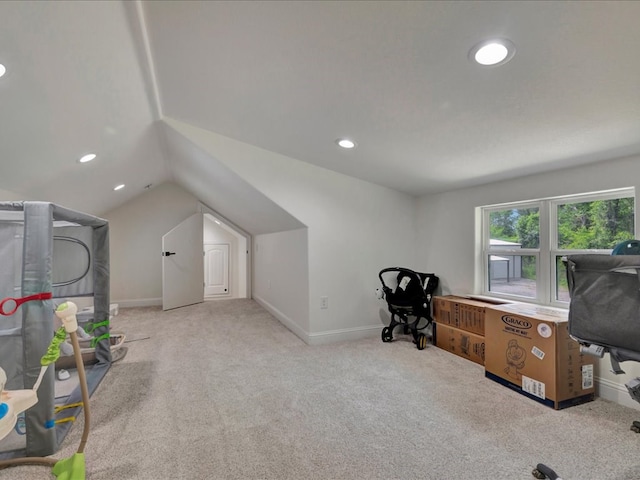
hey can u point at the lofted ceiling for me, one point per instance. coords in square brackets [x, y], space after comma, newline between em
[293, 76]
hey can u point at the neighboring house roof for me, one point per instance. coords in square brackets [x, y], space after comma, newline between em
[495, 241]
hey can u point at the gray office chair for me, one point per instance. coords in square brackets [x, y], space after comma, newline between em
[604, 313]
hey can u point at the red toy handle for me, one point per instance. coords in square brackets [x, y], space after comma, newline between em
[20, 301]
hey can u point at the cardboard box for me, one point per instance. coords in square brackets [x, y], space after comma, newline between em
[464, 344]
[460, 312]
[528, 349]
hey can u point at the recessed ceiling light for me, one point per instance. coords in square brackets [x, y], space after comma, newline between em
[3, 70]
[493, 52]
[87, 158]
[119, 187]
[346, 143]
[217, 221]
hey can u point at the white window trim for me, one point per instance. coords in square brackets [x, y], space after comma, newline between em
[547, 251]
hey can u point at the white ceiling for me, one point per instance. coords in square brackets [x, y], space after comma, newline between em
[291, 77]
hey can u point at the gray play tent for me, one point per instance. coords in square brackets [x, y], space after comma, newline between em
[46, 248]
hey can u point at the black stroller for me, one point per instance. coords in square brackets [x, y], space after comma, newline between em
[408, 294]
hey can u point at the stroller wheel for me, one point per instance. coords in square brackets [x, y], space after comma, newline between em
[387, 336]
[538, 474]
[543, 472]
[422, 341]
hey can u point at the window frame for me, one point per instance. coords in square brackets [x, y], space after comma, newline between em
[548, 249]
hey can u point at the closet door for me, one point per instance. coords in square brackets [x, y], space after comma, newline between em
[182, 267]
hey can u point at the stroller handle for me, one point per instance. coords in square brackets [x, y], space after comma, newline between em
[428, 281]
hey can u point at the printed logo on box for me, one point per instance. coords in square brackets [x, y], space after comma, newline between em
[518, 326]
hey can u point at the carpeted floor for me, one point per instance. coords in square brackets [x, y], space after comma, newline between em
[221, 390]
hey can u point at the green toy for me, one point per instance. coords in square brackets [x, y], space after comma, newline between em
[14, 402]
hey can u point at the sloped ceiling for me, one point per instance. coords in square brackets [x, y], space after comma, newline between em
[233, 198]
[74, 84]
[291, 77]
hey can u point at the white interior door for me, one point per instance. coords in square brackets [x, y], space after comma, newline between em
[216, 269]
[182, 268]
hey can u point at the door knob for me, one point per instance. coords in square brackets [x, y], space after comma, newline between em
[168, 254]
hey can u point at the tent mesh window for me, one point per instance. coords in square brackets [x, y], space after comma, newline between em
[48, 248]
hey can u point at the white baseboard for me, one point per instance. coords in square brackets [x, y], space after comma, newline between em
[344, 334]
[285, 320]
[615, 392]
[320, 338]
[139, 302]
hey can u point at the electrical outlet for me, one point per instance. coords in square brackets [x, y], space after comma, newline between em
[324, 302]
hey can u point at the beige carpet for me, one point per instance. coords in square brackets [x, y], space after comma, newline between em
[221, 390]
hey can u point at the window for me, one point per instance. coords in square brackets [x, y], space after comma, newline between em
[523, 243]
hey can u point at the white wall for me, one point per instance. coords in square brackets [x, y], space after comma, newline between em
[135, 238]
[9, 196]
[446, 226]
[281, 277]
[355, 229]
